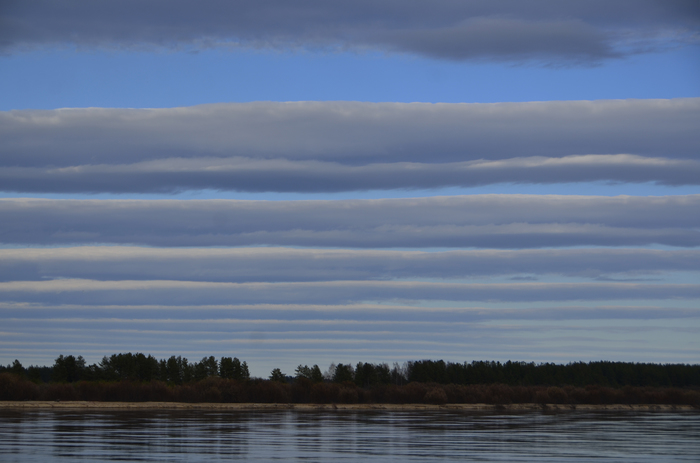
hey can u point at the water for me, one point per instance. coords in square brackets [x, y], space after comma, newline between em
[172, 436]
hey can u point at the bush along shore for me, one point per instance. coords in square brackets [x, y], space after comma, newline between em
[142, 378]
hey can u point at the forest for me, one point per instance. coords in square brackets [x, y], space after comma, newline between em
[140, 377]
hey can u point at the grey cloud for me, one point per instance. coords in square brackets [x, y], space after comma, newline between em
[173, 175]
[340, 146]
[338, 292]
[505, 39]
[543, 30]
[502, 221]
[228, 330]
[351, 133]
[347, 314]
[285, 264]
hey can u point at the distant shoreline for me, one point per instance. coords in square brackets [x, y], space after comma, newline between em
[86, 405]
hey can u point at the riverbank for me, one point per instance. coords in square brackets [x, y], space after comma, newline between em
[88, 405]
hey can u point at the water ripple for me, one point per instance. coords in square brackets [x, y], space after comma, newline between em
[174, 436]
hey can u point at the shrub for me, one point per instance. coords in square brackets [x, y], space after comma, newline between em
[348, 395]
[59, 392]
[13, 387]
[498, 394]
[435, 396]
[325, 393]
[557, 395]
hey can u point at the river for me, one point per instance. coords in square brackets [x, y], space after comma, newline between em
[323, 436]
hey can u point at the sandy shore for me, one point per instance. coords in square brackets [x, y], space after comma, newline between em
[82, 405]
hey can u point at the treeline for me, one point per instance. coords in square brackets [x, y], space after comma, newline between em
[179, 371]
[218, 390]
[611, 374]
[133, 367]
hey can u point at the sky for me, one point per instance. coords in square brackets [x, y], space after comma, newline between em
[307, 182]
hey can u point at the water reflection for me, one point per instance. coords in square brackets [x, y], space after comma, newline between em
[44, 435]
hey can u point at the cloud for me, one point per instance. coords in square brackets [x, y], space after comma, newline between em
[342, 146]
[274, 336]
[287, 264]
[318, 314]
[541, 30]
[23, 312]
[73, 291]
[497, 221]
[330, 302]
[243, 174]
[351, 133]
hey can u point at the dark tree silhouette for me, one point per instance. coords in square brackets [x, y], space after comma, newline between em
[68, 369]
[17, 368]
[278, 376]
[240, 370]
[343, 373]
[207, 367]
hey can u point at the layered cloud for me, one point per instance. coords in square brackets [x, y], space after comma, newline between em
[281, 175]
[345, 146]
[278, 283]
[346, 315]
[128, 292]
[274, 336]
[273, 343]
[287, 264]
[545, 30]
[498, 221]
